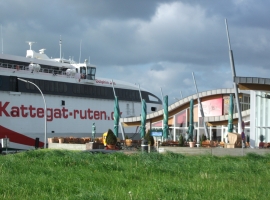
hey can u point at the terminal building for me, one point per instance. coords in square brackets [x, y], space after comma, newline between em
[254, 99]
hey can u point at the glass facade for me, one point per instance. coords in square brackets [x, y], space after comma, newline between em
[181, 119]
[212, 107]
[259, 120]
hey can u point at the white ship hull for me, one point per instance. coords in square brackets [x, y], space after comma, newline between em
[75, 99]
[23, 114]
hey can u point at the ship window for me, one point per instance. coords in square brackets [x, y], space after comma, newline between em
[132, 94]
[82, 89]
[98, 91]
[126, 94]
[27, 85]
[13, 83]
[129, 94]
[90, 89]
[86, 91]
[47, 86]
[137, 95]
[78, 89]
[56, 86]
[120, 93]
[32, 87]
[41, 84]
[94, 90]
[36, 82]
[106, 91]
[83, 72]
[60, 87]
[117, 93]
[91, 71]
[102, 92]
[152, 98]
[65, 87]
[74, 89]
[51, 87]
[153, 108]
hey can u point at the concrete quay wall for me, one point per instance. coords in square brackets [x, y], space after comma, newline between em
[164, 149]
[67, 146]
[213, 151]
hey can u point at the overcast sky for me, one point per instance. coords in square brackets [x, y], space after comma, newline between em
[156, 43]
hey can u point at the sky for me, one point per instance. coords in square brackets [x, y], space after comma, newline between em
[154, 43]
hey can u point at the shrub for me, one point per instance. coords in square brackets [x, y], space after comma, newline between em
[149, 138]
[261, 138]
[111, 139]
[203, 137]
[181, 140]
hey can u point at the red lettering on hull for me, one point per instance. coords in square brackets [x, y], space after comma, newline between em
[3, 109]
[52, 113]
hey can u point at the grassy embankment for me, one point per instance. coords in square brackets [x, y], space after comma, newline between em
[54, 174]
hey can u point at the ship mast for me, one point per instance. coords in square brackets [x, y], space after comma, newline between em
[80, 51]
[60, 43]
[30, 44]
[2, 40]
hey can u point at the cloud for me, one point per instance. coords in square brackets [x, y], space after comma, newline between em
[157, 67]
[156, 43]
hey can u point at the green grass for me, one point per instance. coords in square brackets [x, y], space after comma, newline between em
[55, 174]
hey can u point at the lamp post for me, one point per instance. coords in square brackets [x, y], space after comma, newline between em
[93, 131]
[45, 109]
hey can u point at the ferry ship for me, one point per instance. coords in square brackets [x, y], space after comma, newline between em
[75, 99]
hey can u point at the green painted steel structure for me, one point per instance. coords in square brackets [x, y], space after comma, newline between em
[116, 116]
[191, 121]
[230, 113]
[143, 118]
[165, 117]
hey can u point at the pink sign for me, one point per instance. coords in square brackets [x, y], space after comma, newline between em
[157, 124]
[181, 118]
[212, 107]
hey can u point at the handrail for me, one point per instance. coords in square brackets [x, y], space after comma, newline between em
[26, 68]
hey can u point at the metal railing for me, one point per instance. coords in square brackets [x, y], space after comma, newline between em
[26, 68]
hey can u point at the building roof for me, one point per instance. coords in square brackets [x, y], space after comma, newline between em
[252, 83]
[179, 106]
[223, 119]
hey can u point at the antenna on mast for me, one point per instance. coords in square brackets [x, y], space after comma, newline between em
[30, 44]
[2, 40]
[60, 44]
[80, 51]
